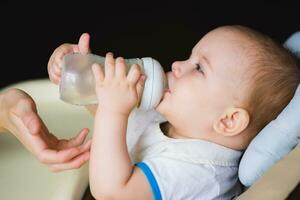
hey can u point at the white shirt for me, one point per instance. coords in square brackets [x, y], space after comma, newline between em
[183, 169]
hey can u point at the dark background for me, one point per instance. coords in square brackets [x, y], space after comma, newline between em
[163, 30]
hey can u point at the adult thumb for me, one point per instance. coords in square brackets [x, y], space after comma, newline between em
[84, 43]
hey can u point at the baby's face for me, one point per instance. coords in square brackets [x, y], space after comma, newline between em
[205, 84]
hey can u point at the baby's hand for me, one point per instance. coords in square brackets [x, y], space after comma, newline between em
[55, 61]
[115, 91]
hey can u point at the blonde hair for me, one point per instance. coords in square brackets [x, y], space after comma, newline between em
[274, 77]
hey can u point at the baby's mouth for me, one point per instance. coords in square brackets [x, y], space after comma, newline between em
[167, 90]
[170, 80]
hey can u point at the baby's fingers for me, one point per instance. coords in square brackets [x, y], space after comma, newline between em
[120, 68]
[98, 73]
[55, 75]
[134, 74]
[109, 66]
[65, 49]
[55, 62]
[84, 43]
[140, 86]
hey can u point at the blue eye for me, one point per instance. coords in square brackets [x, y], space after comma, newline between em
[199, 68]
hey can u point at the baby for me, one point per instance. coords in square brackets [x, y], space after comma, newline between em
[235, 81]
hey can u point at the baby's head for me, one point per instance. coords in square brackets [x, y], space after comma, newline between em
[234, 83]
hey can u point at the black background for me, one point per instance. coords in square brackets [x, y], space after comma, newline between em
[163, 30]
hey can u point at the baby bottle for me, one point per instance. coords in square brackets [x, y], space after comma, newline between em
[77, 81]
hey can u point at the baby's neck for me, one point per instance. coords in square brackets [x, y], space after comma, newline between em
[168, 131]
[165, 126]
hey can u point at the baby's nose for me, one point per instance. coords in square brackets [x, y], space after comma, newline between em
[176, 69]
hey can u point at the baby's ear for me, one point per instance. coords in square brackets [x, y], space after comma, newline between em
[232, 122]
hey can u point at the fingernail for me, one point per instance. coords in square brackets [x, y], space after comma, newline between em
[120, 59]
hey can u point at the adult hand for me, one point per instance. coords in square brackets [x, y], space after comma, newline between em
[19, 116]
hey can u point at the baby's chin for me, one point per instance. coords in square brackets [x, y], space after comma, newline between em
[159, 106]
[164, 102]
[156, 108]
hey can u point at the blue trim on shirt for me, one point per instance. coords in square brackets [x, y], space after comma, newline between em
[152, 181]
